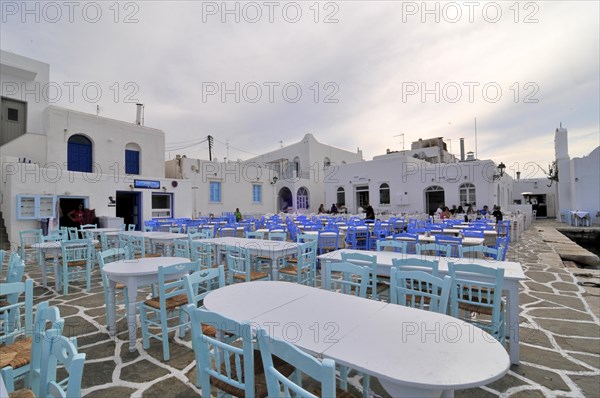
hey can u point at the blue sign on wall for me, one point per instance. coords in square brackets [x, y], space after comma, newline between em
[150, 184]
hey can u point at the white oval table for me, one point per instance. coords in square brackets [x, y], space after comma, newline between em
[133, 273]
[413, 353]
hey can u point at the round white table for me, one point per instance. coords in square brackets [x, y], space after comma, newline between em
[133, 273]
[413, 353]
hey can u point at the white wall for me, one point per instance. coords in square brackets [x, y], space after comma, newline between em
[586, 183]
[408, 178]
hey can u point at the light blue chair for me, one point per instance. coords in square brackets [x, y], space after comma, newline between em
[167, 306]
[303, 267]
[328, 240]
[200, 283]
[239, 263]
[411, 241]
[76, 263]
[375, 286]
[73, 233]
[419, 289]
[473, 233]
[10, 310]
[227, 232]
[255, 235]
[302, 238]
[231, 369]
[131, 227]
[416, 264]
[480, 251]
[502, 247]
[202, 253]
[397, 246]
[29, 237]
[278, 385]
[181, 248]
[29, 364]
[478, 290]
[432, 249]
[175, 229]
[137, 245]
[57, 349]
[346, 278]
[277, 235]
[453, 244]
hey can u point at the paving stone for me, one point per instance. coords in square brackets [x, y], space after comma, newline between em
[103, 350]
[171, 387]
[544, 304]
[89, 301]
[66, 310]
[92, 338]
[142, 372]
[590, 385]
[96, 312]
[582, 329]
[548, 379]
[550, 359]
[115, 392]
[591, 346]
[507, 382]
[563, 313]
[566, 278]
[76, 325]
[529, 394]
[525, 298]
[561, 271]
[570, 302]
[592, 360]
[538, 287]
[569, 287]
[97, 373]
[180, 355]
[126, 355]
[541, 277]
[534, 337]
[472, 393]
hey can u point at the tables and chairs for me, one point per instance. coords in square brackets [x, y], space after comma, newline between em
[513, 274]
[28, 238]
[580, 218]
[57, 349]
[368, 261]
[11, 307]
[133, 273]
[239, 266]
[348, 278]
[303, 267]
[401, 346]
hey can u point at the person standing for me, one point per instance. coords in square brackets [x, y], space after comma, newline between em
[238, 214]
[497, 213]
[76, 215]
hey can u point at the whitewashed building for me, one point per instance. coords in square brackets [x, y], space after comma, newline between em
[289, 179]
[55, 158]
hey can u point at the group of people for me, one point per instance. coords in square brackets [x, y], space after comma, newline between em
[369, 211]
[444, 212]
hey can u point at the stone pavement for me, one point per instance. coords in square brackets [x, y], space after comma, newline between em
[560, 338]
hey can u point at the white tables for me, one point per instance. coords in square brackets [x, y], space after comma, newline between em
[97, 231]
[513, 274]
[431, 239]
[273, 249]
[133, 273]
[412, 352]
[580, 218]
[164, 238]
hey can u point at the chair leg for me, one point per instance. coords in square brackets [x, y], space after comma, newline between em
[165, 335]
[65, 282]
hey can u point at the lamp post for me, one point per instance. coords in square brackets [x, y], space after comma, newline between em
[501, 167]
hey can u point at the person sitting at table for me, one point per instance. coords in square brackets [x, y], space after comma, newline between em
[334, 209]
[485, 211]
[460, 210]
[453, 210]
[445, 214]
[369, 213]
[321, 209]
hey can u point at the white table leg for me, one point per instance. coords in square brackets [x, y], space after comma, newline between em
[131, 309]
[110, 311]
[57, 282]
[513, 321]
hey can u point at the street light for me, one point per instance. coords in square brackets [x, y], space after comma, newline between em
[500, 168]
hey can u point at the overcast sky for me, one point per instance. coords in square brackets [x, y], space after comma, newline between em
[355, 74]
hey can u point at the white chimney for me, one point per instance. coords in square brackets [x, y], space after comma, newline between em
[139, 116]
[462, 149]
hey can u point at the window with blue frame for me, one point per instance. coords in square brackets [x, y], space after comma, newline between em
[132, 162]
[256, 193]
[215, 191]
[79, 154]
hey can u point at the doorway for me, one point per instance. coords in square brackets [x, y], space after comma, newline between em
[67, 204]
[434, 198]
[286, 200]
[129, 208]
[362, 196]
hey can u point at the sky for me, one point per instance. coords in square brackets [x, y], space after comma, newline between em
[373, 75]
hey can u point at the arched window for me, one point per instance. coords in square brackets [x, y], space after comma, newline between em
[132, 159]
[302, 198]
[434, 198]
[466, 193]
[384, 194]
[326, 162]
[79, 153]
[297, 166]
[341, 197]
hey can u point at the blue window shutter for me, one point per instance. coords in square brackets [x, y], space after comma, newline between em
[132, 162]
[79, 157]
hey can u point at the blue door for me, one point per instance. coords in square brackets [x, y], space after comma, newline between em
[79, 154]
